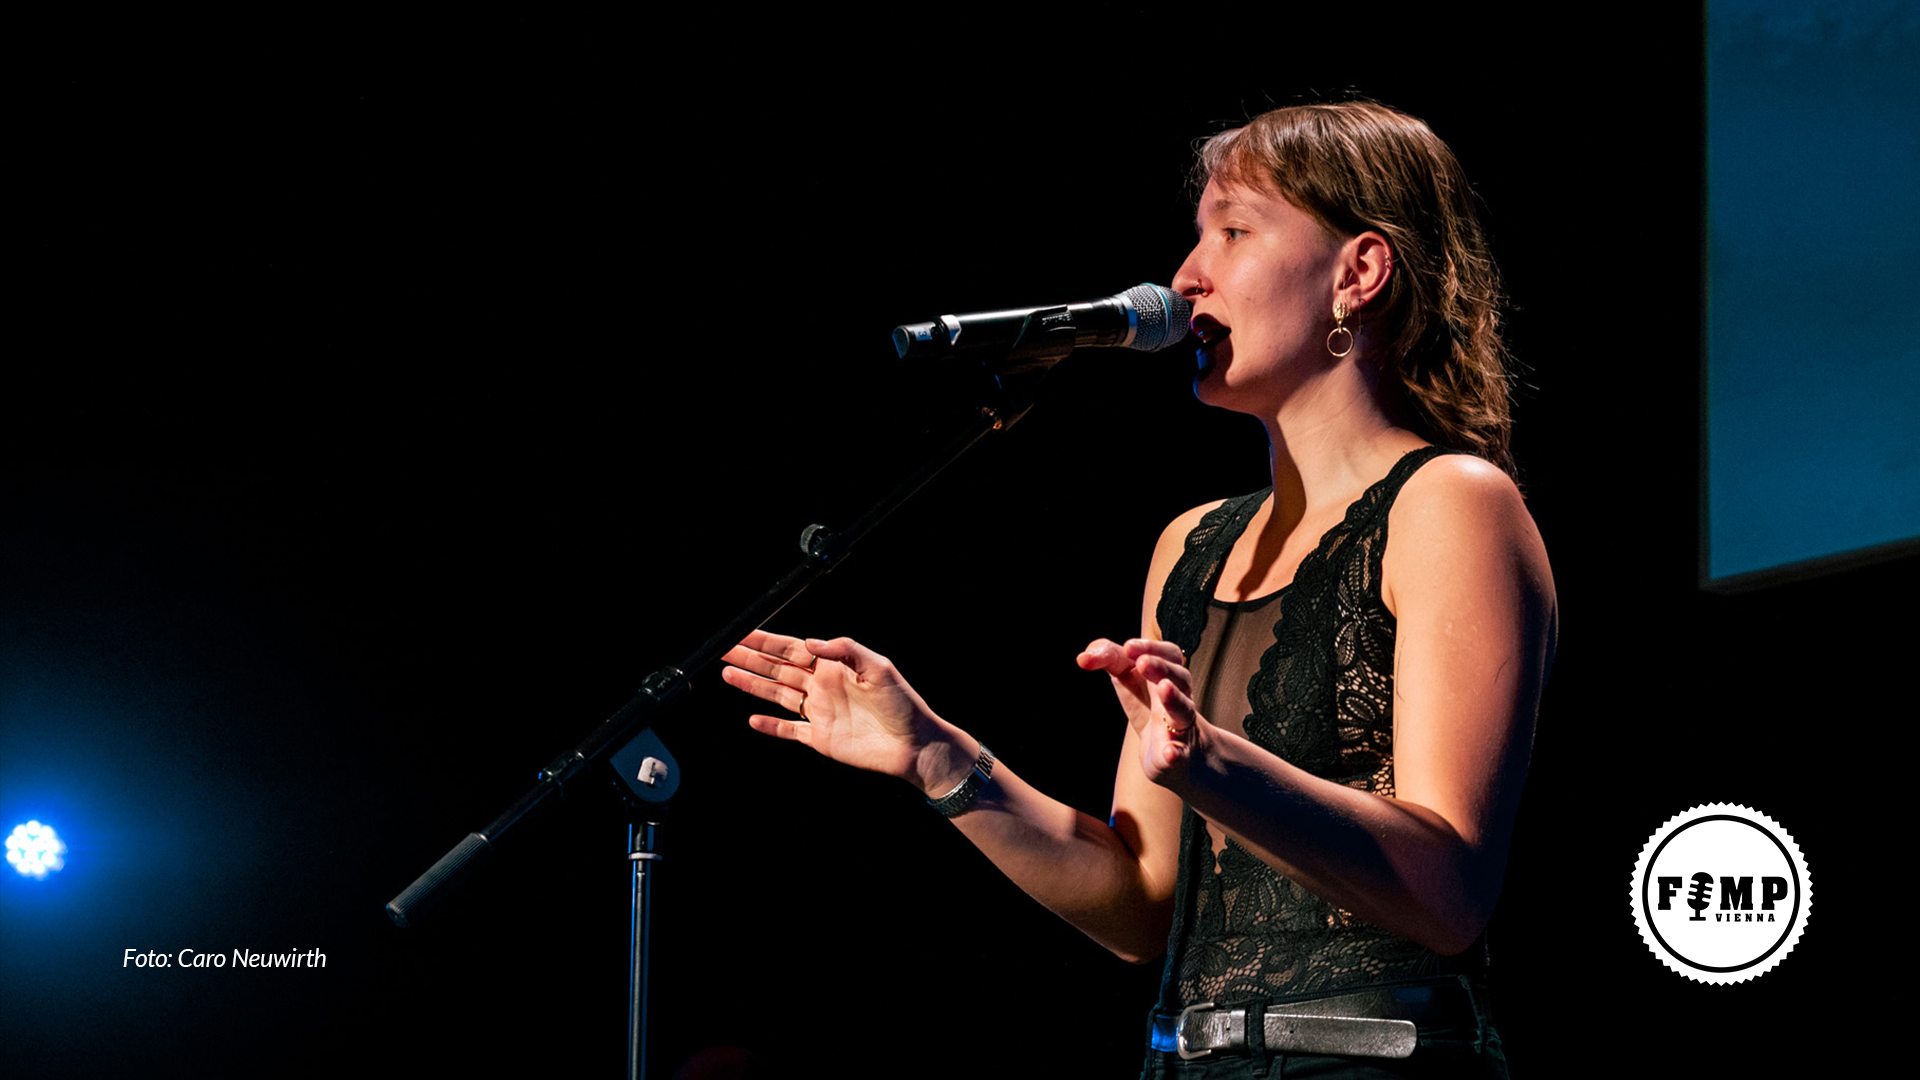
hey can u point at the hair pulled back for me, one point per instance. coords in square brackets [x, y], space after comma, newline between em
[1360, 166]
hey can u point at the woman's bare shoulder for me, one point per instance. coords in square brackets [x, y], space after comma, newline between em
[1459, 516]
[1460, 486]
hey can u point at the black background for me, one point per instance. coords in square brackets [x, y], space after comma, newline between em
[386, 398]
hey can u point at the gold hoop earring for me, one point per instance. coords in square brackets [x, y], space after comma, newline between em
[1341, 312]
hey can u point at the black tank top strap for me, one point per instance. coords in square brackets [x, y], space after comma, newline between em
[1182, 610]
[1369, 512]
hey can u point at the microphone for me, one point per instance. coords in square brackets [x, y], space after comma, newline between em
[1145, 317]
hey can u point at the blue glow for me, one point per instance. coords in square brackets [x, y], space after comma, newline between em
[35, 850]
[1813, 355]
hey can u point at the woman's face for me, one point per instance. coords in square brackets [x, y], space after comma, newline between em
[1261, 281]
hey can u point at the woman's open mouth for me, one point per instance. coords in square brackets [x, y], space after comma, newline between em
[1211, 334]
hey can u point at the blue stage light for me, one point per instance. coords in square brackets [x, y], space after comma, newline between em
[35, 849]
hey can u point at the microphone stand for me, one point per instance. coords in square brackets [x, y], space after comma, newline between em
[646, 772]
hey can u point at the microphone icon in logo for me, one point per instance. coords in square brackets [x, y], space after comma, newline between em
[1697, 896]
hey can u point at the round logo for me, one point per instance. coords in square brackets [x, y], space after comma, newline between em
[1721, 893]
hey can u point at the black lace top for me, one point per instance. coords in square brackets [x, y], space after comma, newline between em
[1308, 674]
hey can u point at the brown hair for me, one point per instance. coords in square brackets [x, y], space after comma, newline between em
[1359, 166]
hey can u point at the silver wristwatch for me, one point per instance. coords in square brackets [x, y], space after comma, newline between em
[961, 798]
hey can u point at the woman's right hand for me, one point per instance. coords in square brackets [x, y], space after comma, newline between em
[854, 707]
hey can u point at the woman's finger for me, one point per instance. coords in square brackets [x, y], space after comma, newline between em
[1164, 650]
[862, 660]
[790, 730]
[779, 646]
[780, 694]
[1105, 655]
[1175, 705]
[767, 667]
[1156, 668]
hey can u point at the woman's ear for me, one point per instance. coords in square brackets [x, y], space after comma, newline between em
[1366, 266]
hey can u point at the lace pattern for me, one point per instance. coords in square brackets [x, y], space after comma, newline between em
[1322, 698]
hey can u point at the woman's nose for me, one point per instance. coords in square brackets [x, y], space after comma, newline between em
[1190, 280]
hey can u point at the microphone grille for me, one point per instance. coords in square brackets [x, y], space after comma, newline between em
[1163, 317]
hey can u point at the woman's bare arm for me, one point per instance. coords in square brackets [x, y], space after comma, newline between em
[1113, 880]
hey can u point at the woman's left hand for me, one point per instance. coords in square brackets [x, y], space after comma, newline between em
[1177, 731]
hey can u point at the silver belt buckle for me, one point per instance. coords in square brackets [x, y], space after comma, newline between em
[1236, 1030]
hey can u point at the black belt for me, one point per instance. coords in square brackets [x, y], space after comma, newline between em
[1382, 1022]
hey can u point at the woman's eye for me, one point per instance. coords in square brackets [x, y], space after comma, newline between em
[1234, 234]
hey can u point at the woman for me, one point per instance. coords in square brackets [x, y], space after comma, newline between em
[1326, 732]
